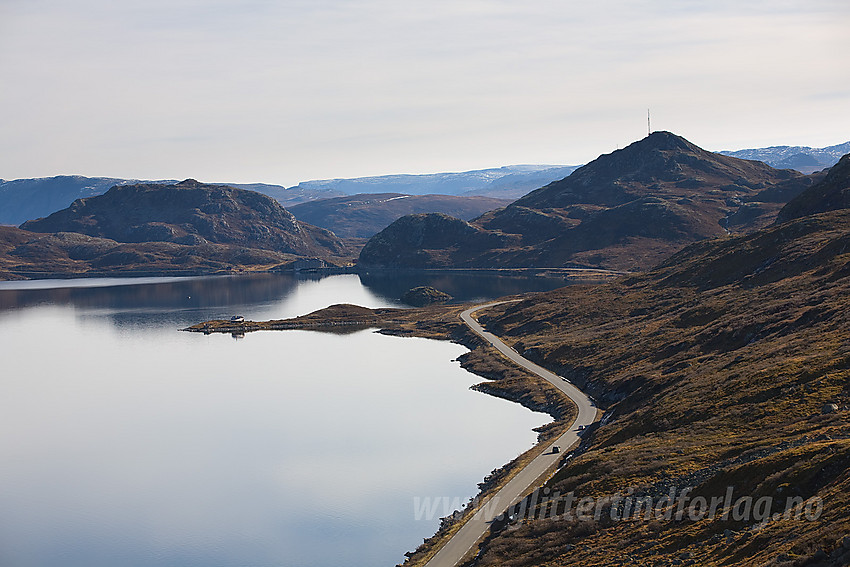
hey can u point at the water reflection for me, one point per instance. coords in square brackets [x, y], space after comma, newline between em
[125, 442]
[157, 294]
[183, 302]
[463, 287]
[178, 294]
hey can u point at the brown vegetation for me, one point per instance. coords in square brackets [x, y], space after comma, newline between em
[716, 370]
[25, 254]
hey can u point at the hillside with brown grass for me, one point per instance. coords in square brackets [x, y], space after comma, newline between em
[25, 254]
[726, 367]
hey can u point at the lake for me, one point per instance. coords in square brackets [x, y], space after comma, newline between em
[126, 442]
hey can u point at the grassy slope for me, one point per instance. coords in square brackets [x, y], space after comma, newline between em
[715, 368]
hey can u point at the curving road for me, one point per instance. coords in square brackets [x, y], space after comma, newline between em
[476, 527]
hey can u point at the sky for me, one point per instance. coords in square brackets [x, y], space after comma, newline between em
[292, 90]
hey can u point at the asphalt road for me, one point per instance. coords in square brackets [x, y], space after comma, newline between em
[477, 526]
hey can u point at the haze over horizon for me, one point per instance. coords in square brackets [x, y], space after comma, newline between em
[283, 92]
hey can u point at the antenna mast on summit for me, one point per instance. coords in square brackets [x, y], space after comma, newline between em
[648, 126]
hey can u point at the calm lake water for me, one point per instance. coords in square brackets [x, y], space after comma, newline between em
[126, 442]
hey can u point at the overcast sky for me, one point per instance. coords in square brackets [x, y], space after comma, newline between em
[291, 90]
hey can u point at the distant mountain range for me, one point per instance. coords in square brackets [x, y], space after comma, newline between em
[626, 210]
[28, 199]
[508, 182]
[801, 158]
[364, 215]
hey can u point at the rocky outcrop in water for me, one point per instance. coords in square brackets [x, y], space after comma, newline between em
[424, 295]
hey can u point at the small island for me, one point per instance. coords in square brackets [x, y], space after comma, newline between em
[423, 295]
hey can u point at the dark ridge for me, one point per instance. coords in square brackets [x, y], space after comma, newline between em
[831, 194]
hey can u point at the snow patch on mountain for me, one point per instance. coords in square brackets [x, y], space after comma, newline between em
[801, 158]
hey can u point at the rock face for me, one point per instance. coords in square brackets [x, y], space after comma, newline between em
[831, 194]
[625, 210]
[190, 213]
[662, 164]
[424, 295]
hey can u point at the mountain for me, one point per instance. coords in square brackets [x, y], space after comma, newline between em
[190, 213]
[290, 196]
[363, 215]
[833, 193]
[186, 228]
[431, 240]
[801, 158]
[25, 199]
[626, 210]
[727, 367]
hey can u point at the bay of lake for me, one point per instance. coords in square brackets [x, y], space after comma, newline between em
[126, 442]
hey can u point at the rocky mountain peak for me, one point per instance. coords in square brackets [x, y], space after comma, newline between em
[190, 212]
[667, 141]
[659, 164]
